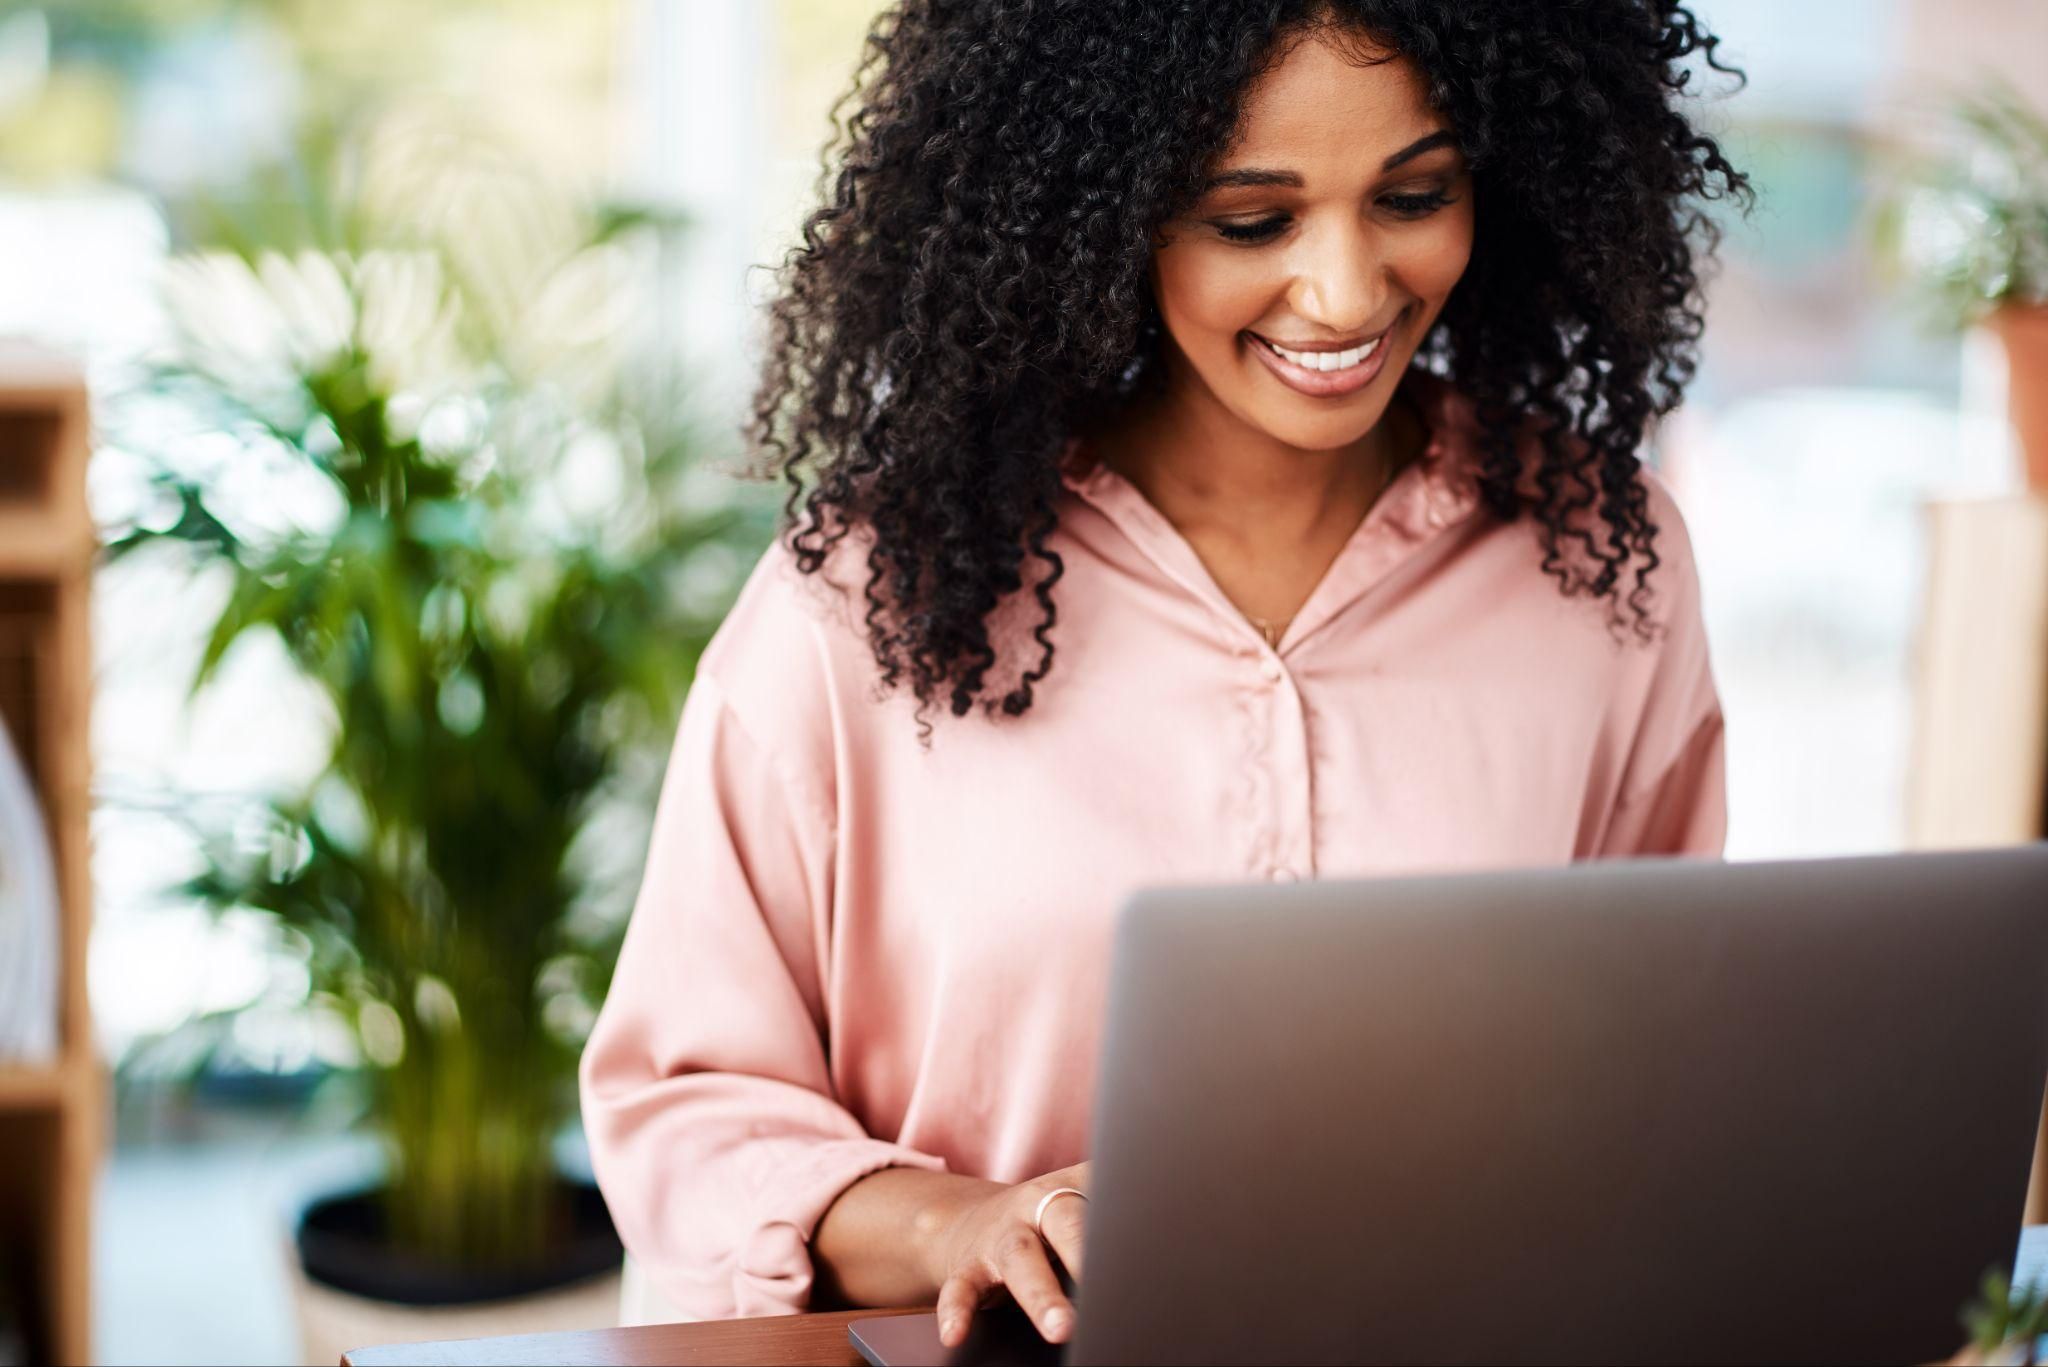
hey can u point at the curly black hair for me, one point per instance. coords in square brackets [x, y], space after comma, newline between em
[973, 289]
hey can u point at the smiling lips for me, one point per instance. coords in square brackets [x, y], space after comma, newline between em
[1324, 374]
[1325, 360]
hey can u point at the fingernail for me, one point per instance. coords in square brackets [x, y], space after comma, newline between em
[1056, 1322]
[948, 1327]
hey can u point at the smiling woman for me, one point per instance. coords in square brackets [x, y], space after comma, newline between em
[1319, 255]
[987, 282]
[1283, 360]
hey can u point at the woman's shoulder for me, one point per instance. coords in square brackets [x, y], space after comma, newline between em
[1457, 433]
[789, 643]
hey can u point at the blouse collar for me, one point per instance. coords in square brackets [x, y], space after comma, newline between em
[1429, 496]
[1431, 493]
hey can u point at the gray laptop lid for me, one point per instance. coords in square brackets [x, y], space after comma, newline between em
[1647, 1111]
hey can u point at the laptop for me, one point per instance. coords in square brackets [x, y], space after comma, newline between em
[1661, 1110]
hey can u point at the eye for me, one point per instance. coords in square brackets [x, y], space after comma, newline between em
[1252, 232]
[1417, 205]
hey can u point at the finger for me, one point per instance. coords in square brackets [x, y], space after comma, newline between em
[957, 1301]
[1026, 1270]
[1064, 1224]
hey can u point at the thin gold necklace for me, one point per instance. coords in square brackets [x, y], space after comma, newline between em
[1272, 631]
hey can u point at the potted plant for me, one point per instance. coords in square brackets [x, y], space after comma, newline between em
[2005, 1323]
[486, 541]
[1970, 229]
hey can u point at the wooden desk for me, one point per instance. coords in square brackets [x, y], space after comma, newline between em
[786, 1339]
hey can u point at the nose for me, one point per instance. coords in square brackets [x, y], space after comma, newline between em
[1343, 281]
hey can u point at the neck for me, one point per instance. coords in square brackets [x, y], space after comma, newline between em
[1212, 478]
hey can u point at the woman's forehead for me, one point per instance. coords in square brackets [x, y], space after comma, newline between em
[1324, 105]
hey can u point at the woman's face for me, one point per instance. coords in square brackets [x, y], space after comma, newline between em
[1336, 229]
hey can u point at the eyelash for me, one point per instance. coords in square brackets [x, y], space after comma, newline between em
[1405, 206]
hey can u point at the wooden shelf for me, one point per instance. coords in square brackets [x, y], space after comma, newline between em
[51, 1115]
[33, 1089]
[31, 547]
[1978, 773]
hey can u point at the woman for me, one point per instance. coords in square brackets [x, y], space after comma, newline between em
[1282, 368]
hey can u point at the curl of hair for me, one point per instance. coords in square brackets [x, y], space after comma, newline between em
[973, 287]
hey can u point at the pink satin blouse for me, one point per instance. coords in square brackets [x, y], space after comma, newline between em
[850, 952]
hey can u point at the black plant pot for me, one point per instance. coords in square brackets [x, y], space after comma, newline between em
[342, 1243]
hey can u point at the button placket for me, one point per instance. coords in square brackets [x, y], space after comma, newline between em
[1253, 797]
[1287, 758]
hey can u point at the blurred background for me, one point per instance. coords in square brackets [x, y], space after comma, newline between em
[486, 263]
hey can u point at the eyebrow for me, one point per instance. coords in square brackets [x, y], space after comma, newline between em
[1256, 176]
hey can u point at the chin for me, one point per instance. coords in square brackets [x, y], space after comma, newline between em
[1327, 431]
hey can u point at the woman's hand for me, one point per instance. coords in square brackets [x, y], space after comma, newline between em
[991, 1247]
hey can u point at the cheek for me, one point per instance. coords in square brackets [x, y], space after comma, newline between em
[1207, 295]
[1432, 258]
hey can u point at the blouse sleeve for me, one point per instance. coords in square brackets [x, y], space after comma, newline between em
[1673, 796]
[1685, 811]
[714, 1132]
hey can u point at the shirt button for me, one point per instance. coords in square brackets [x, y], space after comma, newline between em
[1270, 670]
[1283, 874]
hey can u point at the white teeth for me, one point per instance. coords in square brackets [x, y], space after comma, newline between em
[1327, 360]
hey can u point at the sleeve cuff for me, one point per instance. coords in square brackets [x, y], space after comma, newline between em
[775, 1273]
